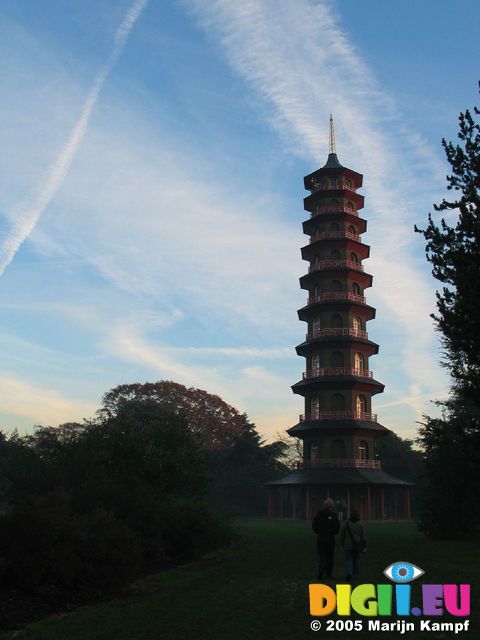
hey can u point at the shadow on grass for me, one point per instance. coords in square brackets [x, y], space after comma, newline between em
[257, 589]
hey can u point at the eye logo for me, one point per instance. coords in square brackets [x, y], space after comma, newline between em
[403, 572]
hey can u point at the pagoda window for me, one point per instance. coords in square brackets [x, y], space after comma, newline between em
[356, 289]
[336, 321]
[315, 451]
[361, 405]
[348, 183]
[336, 285]
[337, 360]
[317, 290]
[359, 362]
[363, 450]
[315, 362]
[352, 230]
[314, 405]
[337, 402]
[333, 182]
[353, 257]
[350, 205]
[357, 323]
[337, 449]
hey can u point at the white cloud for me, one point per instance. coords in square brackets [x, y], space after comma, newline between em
[236, 352]
[161, 229]
[297, 57]
[253, 386]
[214, 262]
[27, 215]
[42, 404]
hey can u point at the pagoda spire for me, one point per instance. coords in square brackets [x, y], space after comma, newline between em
[332, 161]
[331, 137]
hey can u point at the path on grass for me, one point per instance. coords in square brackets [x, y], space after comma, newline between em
[257, 590]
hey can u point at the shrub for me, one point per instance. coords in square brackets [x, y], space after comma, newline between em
[46, 545]
[190, 528]
[90, 505]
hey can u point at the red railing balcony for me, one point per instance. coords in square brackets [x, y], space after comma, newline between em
[337, 371]
[338, 415]
[335, 235]
[340, 331]
[335, 264]
[318, 186]
[355, 463]
[336, 295]
[333, 209]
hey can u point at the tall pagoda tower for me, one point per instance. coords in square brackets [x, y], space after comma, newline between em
[338, 428]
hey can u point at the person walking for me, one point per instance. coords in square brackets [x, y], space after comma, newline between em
[326, 525]
[353, 542]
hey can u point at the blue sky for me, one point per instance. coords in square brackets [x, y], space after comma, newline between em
[151, 193]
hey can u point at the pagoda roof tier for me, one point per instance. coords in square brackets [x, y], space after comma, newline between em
[310, 427]
[332, 342]
[310, 310]
[310, 201]
[335, 269]
[305, 477]
[332, 168]
[335, 240]
[348, 217]
[362, 384]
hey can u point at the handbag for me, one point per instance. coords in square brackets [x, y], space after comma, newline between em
[359, 546]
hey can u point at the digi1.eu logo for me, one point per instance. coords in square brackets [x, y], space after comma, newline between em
[387, 599]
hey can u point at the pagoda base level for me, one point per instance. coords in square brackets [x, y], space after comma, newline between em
[372, 502]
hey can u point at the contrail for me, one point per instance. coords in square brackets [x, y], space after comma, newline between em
[28, 215]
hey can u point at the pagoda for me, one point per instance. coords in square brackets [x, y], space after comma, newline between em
[338, 429]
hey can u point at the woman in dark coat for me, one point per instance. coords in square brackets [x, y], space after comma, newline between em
[352, 540]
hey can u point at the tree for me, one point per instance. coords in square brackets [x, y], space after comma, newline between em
[449, 495]
[240, 472]
[399, 458]
[292, 456]
[452, 443]
[212, 421]
[239, 461]
[96, 502]
[454, 252]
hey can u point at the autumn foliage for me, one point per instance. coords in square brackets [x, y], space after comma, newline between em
[140, 487]
[214, 423]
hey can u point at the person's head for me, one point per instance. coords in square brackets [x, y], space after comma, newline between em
[328, 503]
[354, 516]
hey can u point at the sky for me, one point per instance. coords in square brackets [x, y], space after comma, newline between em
[151, 192]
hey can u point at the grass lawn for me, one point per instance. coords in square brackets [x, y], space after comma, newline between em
[258, 590]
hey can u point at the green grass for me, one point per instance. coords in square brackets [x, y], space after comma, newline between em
[258, 589]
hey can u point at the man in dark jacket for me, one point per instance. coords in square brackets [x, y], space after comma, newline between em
[326, 526]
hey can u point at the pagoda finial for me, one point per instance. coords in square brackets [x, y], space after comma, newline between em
[332, 161]
[331, 139]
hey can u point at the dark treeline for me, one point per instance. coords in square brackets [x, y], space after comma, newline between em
[144, 485]
[401, 460]
[452, 442]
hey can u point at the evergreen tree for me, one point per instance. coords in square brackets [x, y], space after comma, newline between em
[452, 443]
[239, 461]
